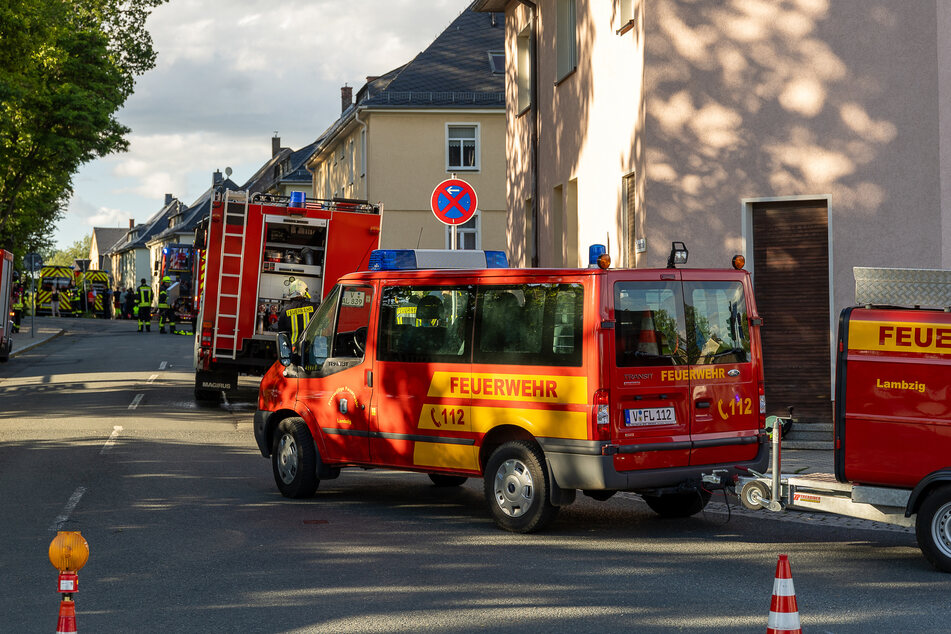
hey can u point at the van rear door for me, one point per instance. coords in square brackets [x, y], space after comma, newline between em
[723, 374]
[650, 397]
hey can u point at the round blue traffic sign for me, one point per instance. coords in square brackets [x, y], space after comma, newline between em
[454, 201]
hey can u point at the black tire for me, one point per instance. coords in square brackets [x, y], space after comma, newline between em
[294, 459]
[933, 528]
[678, 504]
[754, 495]
[442, 480]
[517, 488]
[599, 494]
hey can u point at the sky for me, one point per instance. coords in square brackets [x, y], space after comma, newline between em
[231, 73]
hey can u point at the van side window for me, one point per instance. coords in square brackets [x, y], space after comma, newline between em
[424, 324]
[336, 337]
[650, 327]
[315, 344]
[529, 324]
[720, 331]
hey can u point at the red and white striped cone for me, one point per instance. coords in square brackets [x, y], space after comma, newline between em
[783, 612]
[67, 617]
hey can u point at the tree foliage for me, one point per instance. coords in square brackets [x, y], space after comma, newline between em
[78, 250]
[66, 67]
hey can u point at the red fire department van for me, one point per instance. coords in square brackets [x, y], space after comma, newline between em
[6, 316]
[541, 382]
[252, 249]
[892, 414]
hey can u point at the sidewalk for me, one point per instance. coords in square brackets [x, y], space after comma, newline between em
[46, 328]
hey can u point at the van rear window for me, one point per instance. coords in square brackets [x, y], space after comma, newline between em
[674, 323]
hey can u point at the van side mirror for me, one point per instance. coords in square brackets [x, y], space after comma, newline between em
[284, 350]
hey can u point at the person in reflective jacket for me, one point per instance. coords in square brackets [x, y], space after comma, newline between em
[144, 310]
[297, 311]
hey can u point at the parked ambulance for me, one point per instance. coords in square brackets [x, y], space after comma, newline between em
[542, 382]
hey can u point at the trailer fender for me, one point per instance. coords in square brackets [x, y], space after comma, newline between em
[928, 482]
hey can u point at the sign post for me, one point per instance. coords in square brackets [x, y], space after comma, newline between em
[454, 202]
[33, 262]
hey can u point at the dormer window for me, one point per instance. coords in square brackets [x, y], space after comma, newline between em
[497, 62]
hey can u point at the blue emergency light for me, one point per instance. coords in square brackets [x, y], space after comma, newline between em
[415, 259]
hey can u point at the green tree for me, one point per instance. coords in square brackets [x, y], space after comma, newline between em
[66, 67]
[78, 250]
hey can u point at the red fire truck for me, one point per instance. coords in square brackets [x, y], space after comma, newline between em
[6, 289]
[252, 248]
[892, 414]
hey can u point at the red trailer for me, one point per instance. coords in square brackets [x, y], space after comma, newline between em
[252, 247]
[892, 415]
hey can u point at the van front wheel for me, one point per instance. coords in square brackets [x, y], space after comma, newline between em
[933, 528]
[678, 504]
[294, 459]
[517, 487]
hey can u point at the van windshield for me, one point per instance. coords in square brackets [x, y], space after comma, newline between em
[669, 323]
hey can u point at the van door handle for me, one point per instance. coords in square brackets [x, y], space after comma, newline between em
[703, 404]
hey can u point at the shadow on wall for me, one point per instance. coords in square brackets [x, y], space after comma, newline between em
[756, 98]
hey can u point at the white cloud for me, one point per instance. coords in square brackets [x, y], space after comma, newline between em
[231, 72]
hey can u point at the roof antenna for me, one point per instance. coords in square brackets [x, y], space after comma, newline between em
[420, 237]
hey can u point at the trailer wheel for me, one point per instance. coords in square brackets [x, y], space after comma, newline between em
[516, 488]
[933, 528]
[754, 495]
[678, 504]
[294, 459]
[442, 480]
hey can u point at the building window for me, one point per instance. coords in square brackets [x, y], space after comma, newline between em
[626, 17]
[567, 38]
[497, 62]
[523, 69]
[462, 146]
[352, 164]
[468, 234]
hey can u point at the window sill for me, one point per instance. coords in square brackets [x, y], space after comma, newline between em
[462, 169]
[567, 75]
[626, 27]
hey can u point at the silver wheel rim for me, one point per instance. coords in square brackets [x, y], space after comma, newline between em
[514, 488]
[288, 459]
[941, 529]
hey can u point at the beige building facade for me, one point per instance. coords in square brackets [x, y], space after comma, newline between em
[398, 157]
[811, 136]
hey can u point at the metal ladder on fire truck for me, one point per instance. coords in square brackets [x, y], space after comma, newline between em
[226, 254]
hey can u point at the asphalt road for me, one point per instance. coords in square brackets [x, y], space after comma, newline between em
[187, 532]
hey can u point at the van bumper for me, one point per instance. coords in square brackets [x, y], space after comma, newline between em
[582, 464]
[260, 431]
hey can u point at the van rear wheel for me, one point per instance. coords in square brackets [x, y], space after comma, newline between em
[678, 504]
[933, 528]
[517, 488]
[294, 459]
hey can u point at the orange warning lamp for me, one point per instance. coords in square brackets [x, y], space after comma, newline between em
[738, 262]
[69, 551]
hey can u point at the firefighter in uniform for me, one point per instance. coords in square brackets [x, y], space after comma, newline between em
[144, 310]
[297, 311]
[166, 314]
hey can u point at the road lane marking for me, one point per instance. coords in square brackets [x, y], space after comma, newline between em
[63, 517]
[112, 439]
[152, 378]
[135, 402]
[163, 365]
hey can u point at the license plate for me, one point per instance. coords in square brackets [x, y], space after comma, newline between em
[649, 416]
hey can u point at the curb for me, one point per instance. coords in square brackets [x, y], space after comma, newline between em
[36, 343]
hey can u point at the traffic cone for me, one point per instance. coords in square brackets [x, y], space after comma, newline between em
[67, 617]
[783, 612]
